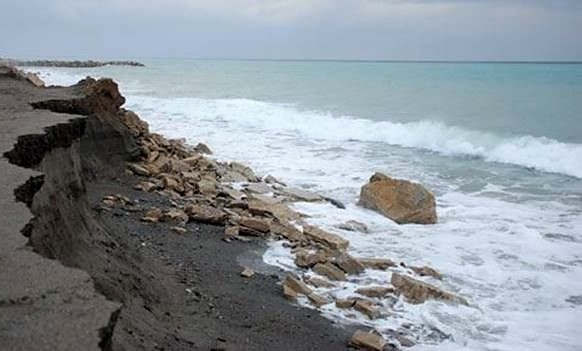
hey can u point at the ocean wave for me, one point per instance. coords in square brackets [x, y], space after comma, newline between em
[540, 153]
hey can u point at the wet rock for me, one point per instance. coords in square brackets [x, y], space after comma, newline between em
[367, 341]
[380, 264]
[247, 273]
[354, 226]
[427, 271]
[287, 231]
[348, 264]
[202, 148]
[308, 259]
[319, 282]
[289, 293]
[330, 240]
[294, 283]
[400, 200]
[375, 291]
[367, 307]
[206, 214]
[246, 171]
[301, 195]
[259, 188]
[260, 225]
[138, 170]
[330, 271]
[317, 300]
[345, 303]
[417, 291]
[269, 179]
[334, 202]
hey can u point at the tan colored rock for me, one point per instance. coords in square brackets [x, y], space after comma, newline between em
[138, 170]
[317, 300]
[146, 186]
[294, 283]
[258, 188]
[246, 171]
[231, 231]
[170, 182]
[153, 215]
[286, 230]
[417, 291]
[308, 259]
[400, 200]
[174, 215]
[380, 264]
[375, 291]
[301, 195]
[179, 230]
[348, 264]
[206, 214]
[330, 240]
[207, 186]
[272, 180]
[319, 282]
[260, 225]
[247, 273]
[289, 293]
[136, 125]
[367, 307]
[34, 79]
[427, 271]
[354, 226]
[202, 148]
[345, 303]
[367, 341]
[330, 271]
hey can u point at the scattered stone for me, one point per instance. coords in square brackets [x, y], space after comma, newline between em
[319, 282]
[400, 200]
[206, 214]
[138, 170]
[289, 293]
[427, 271]
[153, 215]
[330, 240]
[345, 303]
[302, 195]
[349, 264]
[317, 300]
[367, 341]
[146, 186]
[287, 231]
[202, 148]
[294, 283]
[375, 291]
[367, 307]
[354, 226]
[308, 259]
[174, 215]
[259, 188]
[417, 292]
[380, 264]
[207, 186]
[171, 183]
[260, 225]
[246, 171]
[179, 230]
[231, 231]
[247, 273]
[330, 271]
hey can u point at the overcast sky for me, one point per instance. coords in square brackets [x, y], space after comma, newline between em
[296, 29]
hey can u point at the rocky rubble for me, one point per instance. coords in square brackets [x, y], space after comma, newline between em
[204, 190]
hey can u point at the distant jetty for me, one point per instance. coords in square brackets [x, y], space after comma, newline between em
[71, 64]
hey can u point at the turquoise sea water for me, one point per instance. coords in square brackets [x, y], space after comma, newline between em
[499, 144]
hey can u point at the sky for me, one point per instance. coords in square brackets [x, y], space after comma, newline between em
[293, 29]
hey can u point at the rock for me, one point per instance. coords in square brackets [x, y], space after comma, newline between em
[289, 293]
[345, 303]
[231, 231]
[246, 171]
[231, 176]
[380, 264]
[330, 240]
[170, 182]
[138, 170]
[286, 230]
[302, 195]
[34, 79]
[207, 186]
[153, 215]
[400, 200]
[233, 194]
[206, 214]
[202, 148]
[317, 300]
[308, 259]
[427, 271]
[417, 291]
[146, 186]
[259, 208]
[375, 291]
[330, 271]
[174, 215]
[367, 341]
[259, 188]
[367, 307]
[319, 282]
[269, 179]
[192, 161]
[179, 230]
[354, 226]
[334, 202]
[247, 273]
[348, 264]
[294, 283]
[136, 125]
[260, 225]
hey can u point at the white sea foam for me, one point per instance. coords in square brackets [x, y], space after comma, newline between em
[513, 254]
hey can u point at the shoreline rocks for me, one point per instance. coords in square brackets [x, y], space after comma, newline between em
[69, 64]
[400, 200]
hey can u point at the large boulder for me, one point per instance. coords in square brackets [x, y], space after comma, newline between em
[400, 200]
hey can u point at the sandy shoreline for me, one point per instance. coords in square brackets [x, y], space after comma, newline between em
[130, 285]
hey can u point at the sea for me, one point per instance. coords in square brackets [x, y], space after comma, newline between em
[499, 144]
